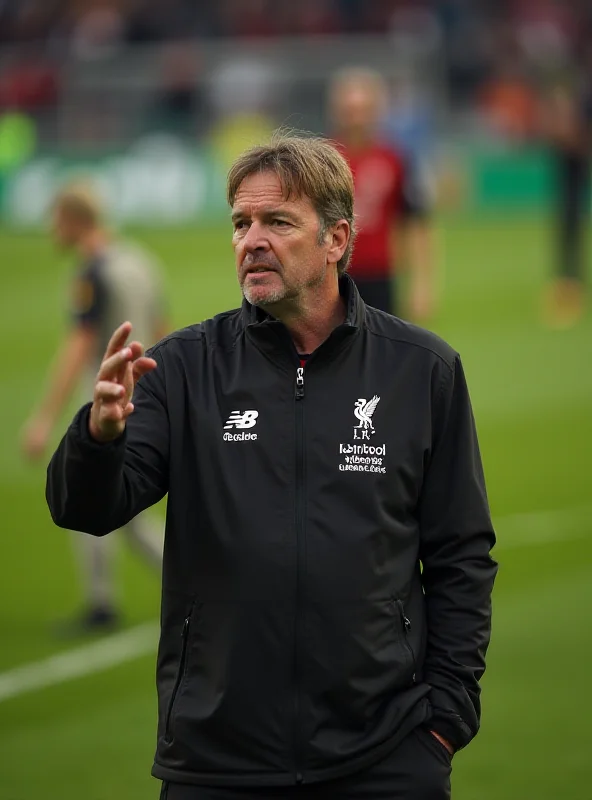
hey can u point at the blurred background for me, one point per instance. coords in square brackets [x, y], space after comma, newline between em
[491, 100]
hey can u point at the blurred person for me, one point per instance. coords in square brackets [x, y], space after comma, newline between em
[390, 200]
[545, 30]
[507, 99]
[30, 90]
[29, 21]
[310, 18]
[567, 126]
[29, 82]
[98, 30]
[178, 107]
[148, 21]
[327, 576]
[242, 92]
[466, 28]
[115, 280]
[262, 20]
[415, 28]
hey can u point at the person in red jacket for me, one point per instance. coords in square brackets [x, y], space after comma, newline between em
[392, 205]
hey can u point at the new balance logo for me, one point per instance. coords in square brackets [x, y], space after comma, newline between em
[241, 420]
[248, 419]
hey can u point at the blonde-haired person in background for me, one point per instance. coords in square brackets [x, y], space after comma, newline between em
[114, 281]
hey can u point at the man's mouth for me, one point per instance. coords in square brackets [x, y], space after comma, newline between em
[259, 271]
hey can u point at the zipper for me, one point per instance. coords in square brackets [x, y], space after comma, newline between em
[300, 561]
[179, 678]
[406, 624]
[300, 383]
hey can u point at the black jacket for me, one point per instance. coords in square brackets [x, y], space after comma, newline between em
[327, 575]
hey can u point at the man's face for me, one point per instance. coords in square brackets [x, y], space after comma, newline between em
[356, 107]
[276, 242]
[65, 228]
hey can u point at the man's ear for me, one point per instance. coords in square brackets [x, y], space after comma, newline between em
[338, 238]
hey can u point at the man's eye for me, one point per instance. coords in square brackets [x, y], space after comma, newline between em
[240, 225]
[279, 223]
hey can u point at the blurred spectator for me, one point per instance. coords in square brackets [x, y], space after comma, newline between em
[375, 16]
[179, 104]
[99, 29]
[242, 93]
[100, 25]
[311, 18]
[507, 100]
[29, 82]
[567, 126]
[460, 45]
[29, 20]
[466, 27]
[263, 18]
[29, 92]
[545, 29]
[151, 21]
[392, 208]
[415, 29]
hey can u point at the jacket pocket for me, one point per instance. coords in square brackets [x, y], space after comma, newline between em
[404, 631]
[179, 676]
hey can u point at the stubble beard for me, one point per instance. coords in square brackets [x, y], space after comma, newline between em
[292, 295]
[264, 299]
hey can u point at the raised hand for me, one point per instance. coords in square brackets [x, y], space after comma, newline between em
[122, 366]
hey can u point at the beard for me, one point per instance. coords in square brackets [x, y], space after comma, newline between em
[275, 290]
[261, 296]
[264, 292]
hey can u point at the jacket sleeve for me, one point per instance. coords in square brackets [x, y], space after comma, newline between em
[456, 536]
[97, 488]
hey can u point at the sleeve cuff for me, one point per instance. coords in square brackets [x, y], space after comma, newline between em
[79, 428]
[450, 727]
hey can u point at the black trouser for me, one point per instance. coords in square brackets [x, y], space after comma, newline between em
[418, 769]
[379, 293]
[572, 210]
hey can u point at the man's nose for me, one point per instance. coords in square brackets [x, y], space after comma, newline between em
[255, 238]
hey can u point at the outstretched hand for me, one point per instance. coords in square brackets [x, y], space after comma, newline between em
[122, 366]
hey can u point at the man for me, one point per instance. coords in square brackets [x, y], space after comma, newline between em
[567, 124]
[392, 206]
[114, 280]
[327, 577]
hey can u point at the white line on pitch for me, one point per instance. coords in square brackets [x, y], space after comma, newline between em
[85, 660]
[515, 530]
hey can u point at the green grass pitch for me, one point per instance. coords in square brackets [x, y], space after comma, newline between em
[93, 737]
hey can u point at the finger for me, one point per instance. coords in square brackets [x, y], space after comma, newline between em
[137, 349]
[107, 391]
[129, 409]
[142, 366]
[118, 339]
[112, 365]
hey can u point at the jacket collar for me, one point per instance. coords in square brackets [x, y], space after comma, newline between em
[271, 336]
